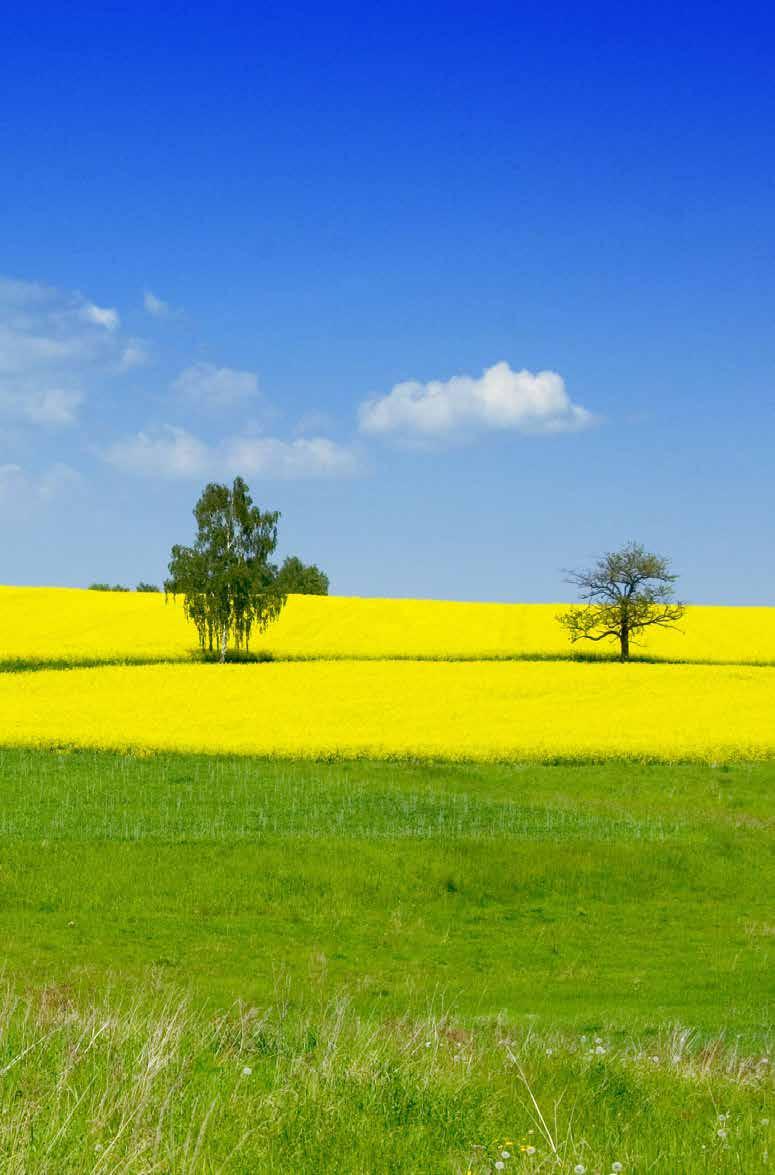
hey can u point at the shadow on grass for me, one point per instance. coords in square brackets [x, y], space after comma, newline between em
[265, 656]
[194, 657]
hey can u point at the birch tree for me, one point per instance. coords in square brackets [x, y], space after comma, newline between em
[228, 584]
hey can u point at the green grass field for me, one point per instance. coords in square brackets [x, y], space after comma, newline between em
[420, 966]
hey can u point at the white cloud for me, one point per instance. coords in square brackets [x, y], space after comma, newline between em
[215, 387]
[301, 458]
[54, 406]
[52, 343]
[21, 293]
[134, 354]
[175, 453]
[100, 316]
[20, 491]
[157, 307]
[500, 399]
[167, 452]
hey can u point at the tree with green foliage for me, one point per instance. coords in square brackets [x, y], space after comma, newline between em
[297, 578]
[147, 587]
[226, 579]
[625, 592]
[107, 587]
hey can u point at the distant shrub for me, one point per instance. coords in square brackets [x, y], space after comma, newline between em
[147, 587]
[295, 577]
[107, 587]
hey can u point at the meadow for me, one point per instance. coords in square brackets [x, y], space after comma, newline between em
[355, 913]
[232, 964]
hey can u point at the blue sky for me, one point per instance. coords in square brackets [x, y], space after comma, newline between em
[470, 294]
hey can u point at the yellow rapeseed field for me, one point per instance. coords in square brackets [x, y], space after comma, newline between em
[49, 624]
[476, 710]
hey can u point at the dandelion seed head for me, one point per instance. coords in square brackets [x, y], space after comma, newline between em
[246, 1072]
[722, 1134]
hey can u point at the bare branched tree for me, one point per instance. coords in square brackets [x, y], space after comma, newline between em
[625, 592]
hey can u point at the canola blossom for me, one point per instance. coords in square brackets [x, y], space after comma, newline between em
[513, 711]
[73, 625]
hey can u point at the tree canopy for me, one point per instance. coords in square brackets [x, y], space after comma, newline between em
[625, 592]
[226, 579]
[297, 578]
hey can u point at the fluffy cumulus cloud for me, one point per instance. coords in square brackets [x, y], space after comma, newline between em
[206, 385]
[500, 399]
[52, 342]
[172, 452]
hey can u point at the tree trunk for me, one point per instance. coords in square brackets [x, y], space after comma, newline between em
[624, 637]
[224, 642]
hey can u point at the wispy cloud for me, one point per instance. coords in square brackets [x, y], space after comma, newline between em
[157, 307]
[100, 316]
[164, 452]
[53, 406]
[301, 458]
[173, 452]
[499, 399]
[52, 342]
[206, 385]
[20, 490]
[134, 354]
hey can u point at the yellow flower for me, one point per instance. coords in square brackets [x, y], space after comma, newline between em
[71, 624]
[478, 711]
